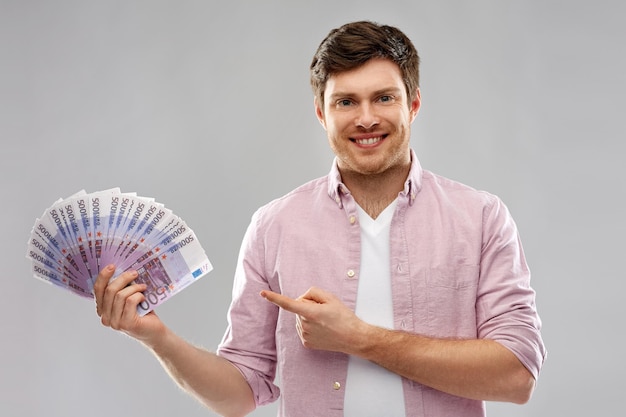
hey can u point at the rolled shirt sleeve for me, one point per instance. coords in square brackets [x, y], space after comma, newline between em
[505, 304]
[249, 341]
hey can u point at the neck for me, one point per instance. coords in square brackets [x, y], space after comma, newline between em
[374, 192]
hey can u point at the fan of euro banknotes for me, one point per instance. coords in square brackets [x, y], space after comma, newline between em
[79, 235]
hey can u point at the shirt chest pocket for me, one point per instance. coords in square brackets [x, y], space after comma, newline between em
[451, 300]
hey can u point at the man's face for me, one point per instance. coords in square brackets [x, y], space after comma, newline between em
[367, 117]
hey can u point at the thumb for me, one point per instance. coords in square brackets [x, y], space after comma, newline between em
[317, 295]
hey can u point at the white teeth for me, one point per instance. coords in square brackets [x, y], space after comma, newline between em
[369, 141]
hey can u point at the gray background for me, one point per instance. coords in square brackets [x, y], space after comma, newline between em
[206, 107]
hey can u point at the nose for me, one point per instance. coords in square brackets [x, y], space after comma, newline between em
[366, 116]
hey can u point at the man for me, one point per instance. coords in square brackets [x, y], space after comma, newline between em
[380, 289]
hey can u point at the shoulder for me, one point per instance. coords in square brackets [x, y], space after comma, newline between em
[463, 208]
[455, 191]
[308, 196]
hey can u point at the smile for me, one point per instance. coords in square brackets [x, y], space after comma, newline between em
[368, 141]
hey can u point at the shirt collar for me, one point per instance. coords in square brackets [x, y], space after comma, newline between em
[412, 185]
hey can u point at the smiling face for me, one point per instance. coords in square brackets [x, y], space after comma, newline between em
[367, 118]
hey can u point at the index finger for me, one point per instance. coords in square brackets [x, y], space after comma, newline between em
[286, 303]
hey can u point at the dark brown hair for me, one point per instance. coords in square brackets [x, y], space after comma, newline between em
[353, 44]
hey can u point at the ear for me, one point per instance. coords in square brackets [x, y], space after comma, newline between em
[414, 107]
[319, 112]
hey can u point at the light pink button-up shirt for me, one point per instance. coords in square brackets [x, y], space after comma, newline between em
[457, 270]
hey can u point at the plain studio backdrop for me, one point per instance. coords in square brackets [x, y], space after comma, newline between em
[206, 107]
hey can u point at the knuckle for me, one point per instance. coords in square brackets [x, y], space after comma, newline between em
[117, 298]
[110, 292]
[129, 303]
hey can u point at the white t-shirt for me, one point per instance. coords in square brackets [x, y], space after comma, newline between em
[370, 389]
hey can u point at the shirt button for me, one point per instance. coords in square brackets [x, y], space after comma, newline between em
[352, 219]
[350, 273]
[336, 385]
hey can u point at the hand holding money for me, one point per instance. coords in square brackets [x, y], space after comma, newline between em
[116, 305]
[78, 236]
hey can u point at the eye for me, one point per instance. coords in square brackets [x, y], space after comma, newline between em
[385, 99]
[344, 102]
